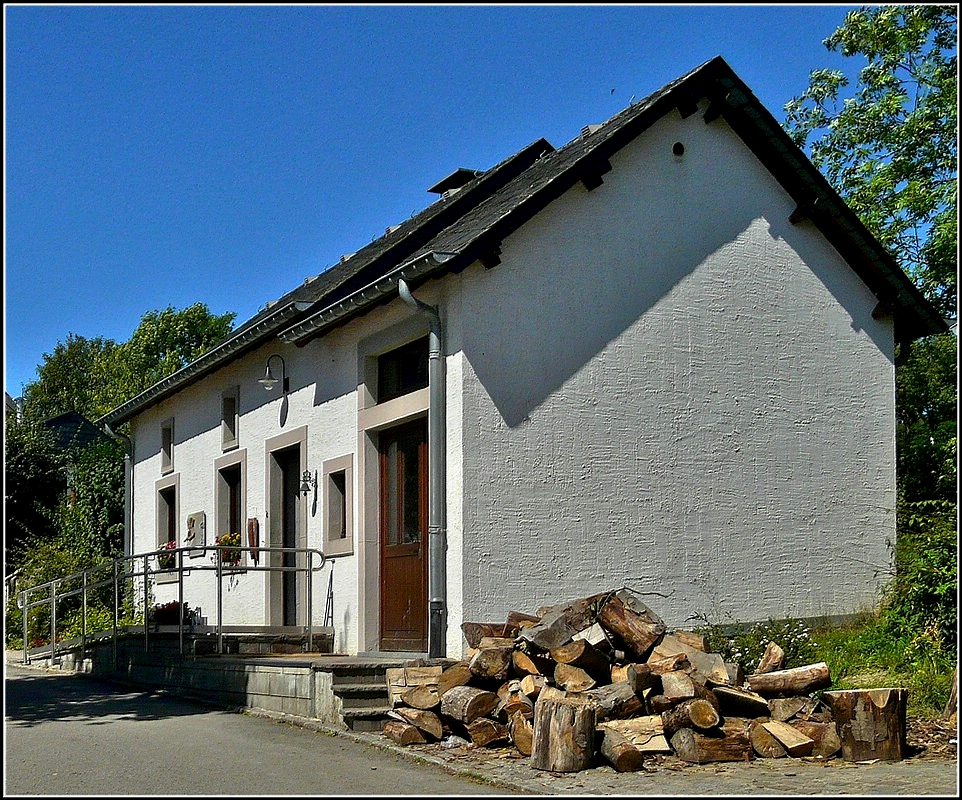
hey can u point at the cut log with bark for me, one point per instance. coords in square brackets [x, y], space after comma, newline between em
[739, 702]
[790, 682]
[402, 732]
[564, 733]
[736, 674]
[513, 699]
[823, 734]
[520, 620]
[486, 732]
[467, 703]
[422, 697]
[730, 742]
[796, 743]
[456, 675]
[870, 723]
[646, 733]
[698, 714]
[636, 626]
[692, 639]
[582, 653]
[659, 704]
[764, 744]
[662, 665]
[772, 659]
[493, 659]
[618, 751]
[615, 701]
[573, 679]
[427, 722]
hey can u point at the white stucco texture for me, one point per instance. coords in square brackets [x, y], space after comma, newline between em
[668, 386]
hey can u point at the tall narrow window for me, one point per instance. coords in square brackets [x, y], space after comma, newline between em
[166, 516]
[402, 370]
[229, 414]
[338, 499]
[167, 446]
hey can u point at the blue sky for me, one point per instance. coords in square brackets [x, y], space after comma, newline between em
[160, 156]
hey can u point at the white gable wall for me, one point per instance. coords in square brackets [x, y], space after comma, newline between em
[668, 386]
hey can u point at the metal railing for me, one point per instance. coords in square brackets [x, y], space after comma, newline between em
[129, 568]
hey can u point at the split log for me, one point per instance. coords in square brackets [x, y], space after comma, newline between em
[784, 708]
[421, 697]
[493, 659]
[485, 732]
[520, 731]
[467, 703]
[823, 734]
[677, 686]
[728, 743]
[646, 733]
[513, 699]
[573, 679]
[736, 701]
[564, 733]
[400, 679]
[521, 620]
[402, 732]
[474, 632]
[660, 666]
[620, 752]
[870, 723]
[581, 653]
[425, 721]
[796, 743]
[530, 663]
[640, 677]
[636, 625]
[532, 685]
[763, 743]
[736, 674]
[772, 659]
[559, 624]
[615, 701]
[595, 635]
[697, 713]
[456, 675]
[659, 704]
[788, 682]
[692, 639]
[703, 667]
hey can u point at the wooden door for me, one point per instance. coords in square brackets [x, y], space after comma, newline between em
[403, 537]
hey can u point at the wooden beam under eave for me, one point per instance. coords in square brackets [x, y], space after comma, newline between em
[687, 105]
[592, 176]
[715, 109]
[883, 310]
[802, 212]
[491, 259]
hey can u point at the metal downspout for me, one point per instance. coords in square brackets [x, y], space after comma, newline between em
[128, 488]
[437, 532]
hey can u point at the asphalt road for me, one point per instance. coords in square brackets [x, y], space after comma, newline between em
[69, 735]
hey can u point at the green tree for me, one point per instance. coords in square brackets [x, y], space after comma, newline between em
[890, 146]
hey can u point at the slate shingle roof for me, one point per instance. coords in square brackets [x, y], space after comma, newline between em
[469, 225]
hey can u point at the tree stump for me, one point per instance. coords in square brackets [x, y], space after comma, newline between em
[564, 733]
[870, 723]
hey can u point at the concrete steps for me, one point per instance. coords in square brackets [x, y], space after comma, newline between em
[363, 695]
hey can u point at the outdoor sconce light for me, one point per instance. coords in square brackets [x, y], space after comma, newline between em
[308, 482]
[269, 381]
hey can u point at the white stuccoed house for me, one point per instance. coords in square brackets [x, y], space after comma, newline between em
[661, 356]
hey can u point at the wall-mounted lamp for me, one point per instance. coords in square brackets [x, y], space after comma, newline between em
[269, 381]
[308, 482]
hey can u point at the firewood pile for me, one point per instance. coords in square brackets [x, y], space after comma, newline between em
[602, 676]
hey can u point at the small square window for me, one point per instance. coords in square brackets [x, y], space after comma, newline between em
[402, 370]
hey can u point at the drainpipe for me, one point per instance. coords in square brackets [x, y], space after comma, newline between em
[128, 487]
[437, 534]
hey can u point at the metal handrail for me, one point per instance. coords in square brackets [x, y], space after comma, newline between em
[123, 569]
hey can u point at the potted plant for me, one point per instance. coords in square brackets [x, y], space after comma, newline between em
[230, 557]
[166, 559]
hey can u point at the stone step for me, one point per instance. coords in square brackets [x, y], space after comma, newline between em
[362, 695]
[366, 719]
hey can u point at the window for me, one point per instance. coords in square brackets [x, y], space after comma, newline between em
[166, 515]
[167, 446]
[402, 370]
[229, 417]
[230, 496]
[338, 499]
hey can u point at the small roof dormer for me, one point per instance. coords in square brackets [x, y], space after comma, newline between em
[455, 181]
